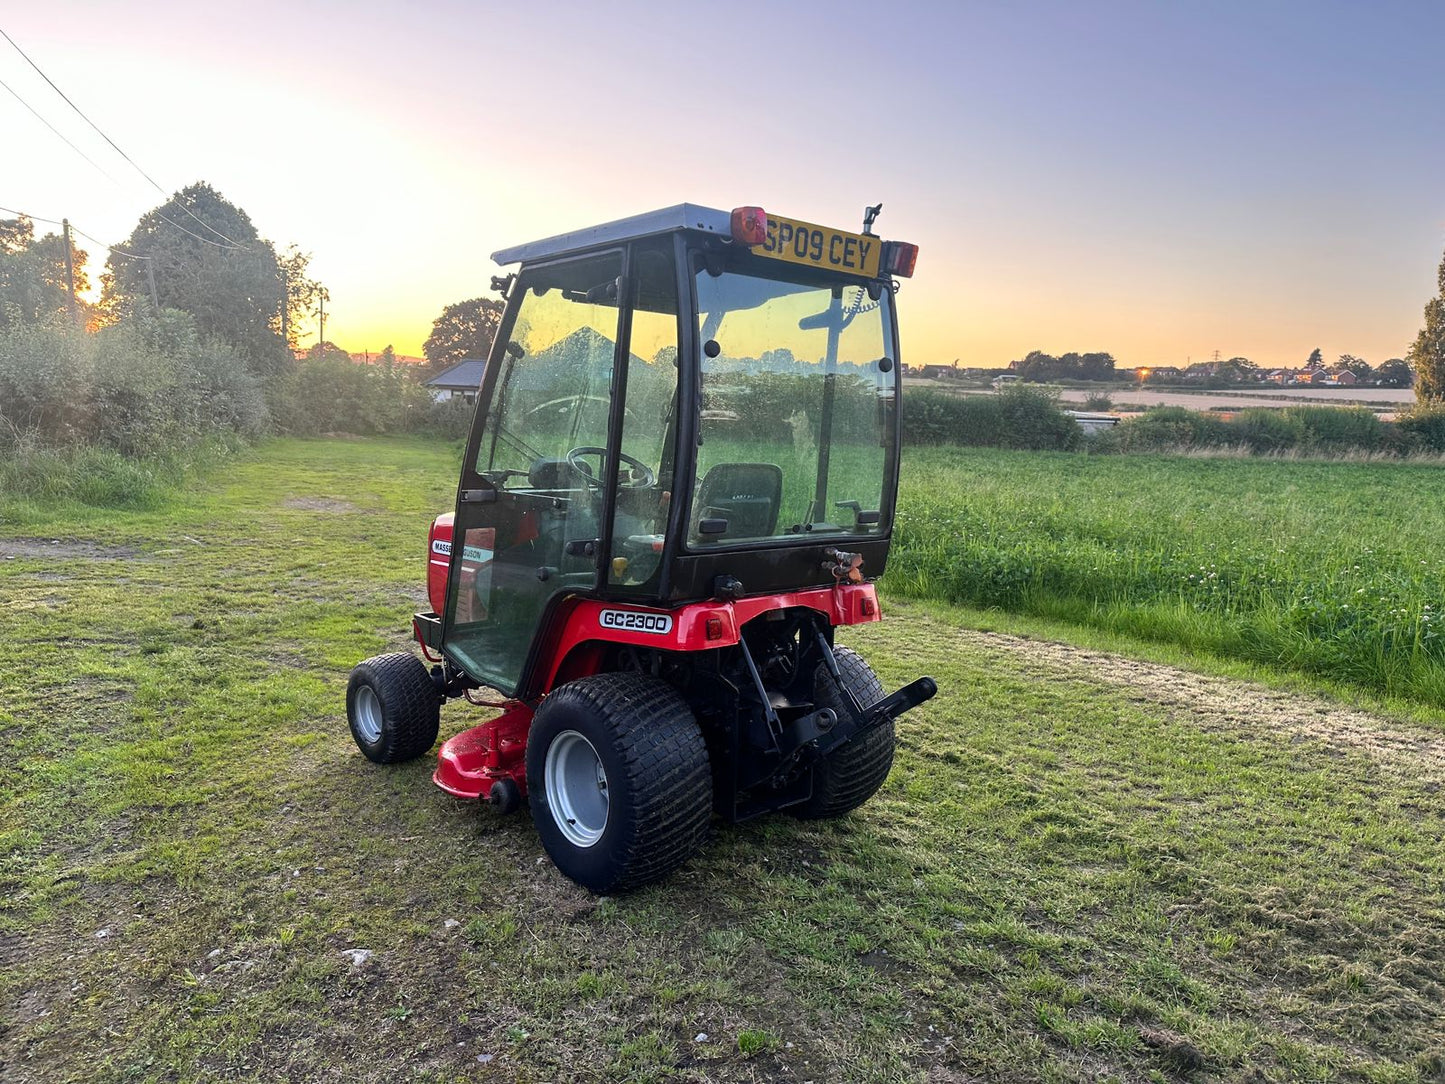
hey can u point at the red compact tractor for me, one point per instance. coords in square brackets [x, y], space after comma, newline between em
[679, 482]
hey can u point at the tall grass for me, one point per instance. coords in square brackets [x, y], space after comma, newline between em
[1335, 569]
[114, 417]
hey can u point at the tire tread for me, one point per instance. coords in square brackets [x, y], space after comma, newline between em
[411, 706]
[853, 773]
[665, 759]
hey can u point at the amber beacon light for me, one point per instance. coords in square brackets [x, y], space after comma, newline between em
[900, 258]
[750, 225]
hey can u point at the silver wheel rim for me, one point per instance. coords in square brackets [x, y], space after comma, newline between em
[368, 715]
[576, 788]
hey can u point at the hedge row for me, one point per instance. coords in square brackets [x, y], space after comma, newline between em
[1031, 418]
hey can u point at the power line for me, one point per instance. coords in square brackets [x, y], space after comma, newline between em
[33, 218]
[52, 127]
[76, 229]
[128, 158]
[109, 248]
[110, 178]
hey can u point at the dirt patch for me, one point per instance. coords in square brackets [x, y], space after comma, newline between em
[320, 504]
[1226, 705]
[62, 549]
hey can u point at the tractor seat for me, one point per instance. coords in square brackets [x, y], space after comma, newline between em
[746, 495]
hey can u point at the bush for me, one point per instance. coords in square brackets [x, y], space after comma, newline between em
[330, 393]
[1424, 427]
[1339, 429]
[1264, 431]
[1098, 400]
[450, 419]
[141, 387]
[1032, 420]
[1164, 429]
[1017, 417]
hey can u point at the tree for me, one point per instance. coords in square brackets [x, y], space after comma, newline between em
[1238, 370]
[1096, 366]
[1427, 355]
[33, 286]
[1359, 366]
[1316, 360]
[463, 330]
[300, 292]
[208, 260]
[1394, 373]
[327, 351]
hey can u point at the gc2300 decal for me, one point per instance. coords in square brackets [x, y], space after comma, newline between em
[636, 621]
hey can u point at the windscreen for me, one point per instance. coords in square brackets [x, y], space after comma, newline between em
[797, 414]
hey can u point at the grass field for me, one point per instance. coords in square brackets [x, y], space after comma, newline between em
[1082, 867]
[1334, 569]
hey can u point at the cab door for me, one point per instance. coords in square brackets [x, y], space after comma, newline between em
[531, 499]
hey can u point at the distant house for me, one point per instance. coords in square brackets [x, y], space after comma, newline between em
[1161, 374]
[371, 357]
[937, 372]
[461, 381]
[1320, 376]
[1345, 378]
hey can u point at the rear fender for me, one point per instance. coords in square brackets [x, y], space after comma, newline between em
[587, 625]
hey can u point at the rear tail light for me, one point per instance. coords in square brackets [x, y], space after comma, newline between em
[750, 225]
[899, 258]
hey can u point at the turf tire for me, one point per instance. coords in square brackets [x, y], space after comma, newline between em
[844, 781]
[409, 715]
[658, 780]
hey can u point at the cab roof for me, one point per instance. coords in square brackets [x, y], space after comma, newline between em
[683, 216]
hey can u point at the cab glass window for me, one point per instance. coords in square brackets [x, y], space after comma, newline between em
[553, 391]
[649, 420]
[797, 412]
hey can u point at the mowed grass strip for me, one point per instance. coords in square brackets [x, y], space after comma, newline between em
[1064, 879]
[1331, 569]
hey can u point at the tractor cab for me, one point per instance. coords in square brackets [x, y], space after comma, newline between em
[680, 479]
[675, 409]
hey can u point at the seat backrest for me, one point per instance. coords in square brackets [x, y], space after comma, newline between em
[747, 495]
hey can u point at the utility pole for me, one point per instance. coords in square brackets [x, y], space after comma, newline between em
[69, 269]
[321, 335]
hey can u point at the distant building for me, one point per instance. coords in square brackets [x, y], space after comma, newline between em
[370, 357]
[1345, 378]
[462, 381]
[1161, 374]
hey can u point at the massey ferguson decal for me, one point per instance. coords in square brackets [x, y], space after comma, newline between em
[636, 621]
[471, 553]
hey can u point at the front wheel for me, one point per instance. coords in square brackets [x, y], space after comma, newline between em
[393, 707]
[618, 780]
[854, 772]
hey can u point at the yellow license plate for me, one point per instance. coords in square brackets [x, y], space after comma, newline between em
[819, 246]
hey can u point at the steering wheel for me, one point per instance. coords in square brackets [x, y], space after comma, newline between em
[645, 480]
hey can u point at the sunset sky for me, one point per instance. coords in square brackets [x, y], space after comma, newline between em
[1159, 180]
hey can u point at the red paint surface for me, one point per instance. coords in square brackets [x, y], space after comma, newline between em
[436, 563]
[469, 763]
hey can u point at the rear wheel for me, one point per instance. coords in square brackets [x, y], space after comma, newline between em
[393, 707]
[854, 772]
[618, 780]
